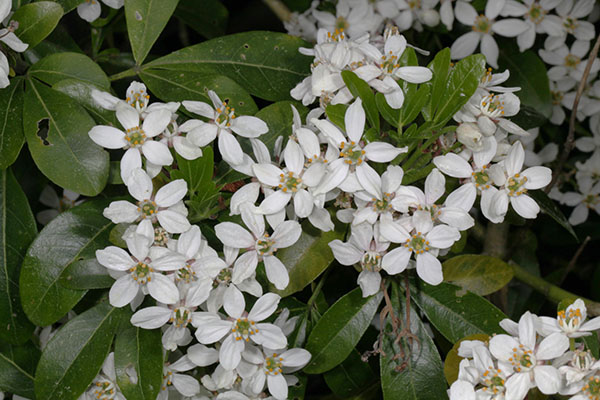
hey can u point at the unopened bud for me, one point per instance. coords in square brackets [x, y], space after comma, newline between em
[469, 134]
[430, 17]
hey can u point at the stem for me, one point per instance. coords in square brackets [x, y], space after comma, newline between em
[279, 9]
[573, 261]
[570, 142]
[124, 74]
[496, 240]
[552, 292]
[317, 290]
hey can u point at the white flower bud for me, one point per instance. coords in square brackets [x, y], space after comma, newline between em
[469, 134]
[430, 17]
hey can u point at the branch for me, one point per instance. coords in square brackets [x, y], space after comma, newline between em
[279, 9]
[552, 292]
[570, 142]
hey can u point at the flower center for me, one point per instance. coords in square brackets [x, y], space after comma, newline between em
[493, 379]
[481, 179]
[243, 329]
[556, 97]
[591, 200]
[487, 77]
[135, 136]
[141, 273]
[389, 63]
[482, 24]
[414, 4]
[383, 205]
[338, 34]
[592, 388]
[223, 277]
[522, 359]
[582, 360]
[265, 246]
[352, 153]
[272, 365]
[185, 274]
[570, 24]
[514, 184]
[290, 182]
[161, 237]
[492, 105]
[167, 380]
[341, 24]
[570, 320]
[225, 115]
[417, 243]
[536, 13]
[371, 261]
[147, 208]
[571, 61]
[104, 390]
[181, 317]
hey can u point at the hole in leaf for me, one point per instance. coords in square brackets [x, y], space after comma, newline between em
[246, 46]
[43, 127]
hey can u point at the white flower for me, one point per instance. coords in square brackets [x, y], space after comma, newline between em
[525, 358]
[571, 322]
[483, 27]
[104, 386]
[490, 83]
[365, 250]
[415, 14]
[517, 183]
[240, 328]
[590, 144]
[588, 172]
[57, 205]
[184, 384]
[137, 138]
[461, 390]
[8, 37]
[164, 207]
[568, 62]
[352, 17]
[536, 16]
[172, 137]
[90, 9]
[588, 198]
[580, 374]
[559, 89]
[572, 13]
[222, 121]
[260, 246]
[140, 271]
[489, 112]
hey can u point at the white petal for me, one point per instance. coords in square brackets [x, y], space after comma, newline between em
[157, 153]
[552, 347]
[286, 234]
[275, 202]
[233, 235]
[345, 253]
[114, 258]
[443, 236]
[139, 185]
[264, 307]
[185, 384]
[230, 353]
[172, 221]
[202, 356]
[465, 45]
[163, 289]
[151, 317]
[244, 266]
[121, 211]
[547, 378]
[249, 127]
[156, 122]
[200, 108]
[429, 268]
[123, 291]
[203, 134]
[233, 302]
[453, 165]
[171, 193]
[382, 152]
[525, 206]
[396, 260]
[230, 149]
[108, 137]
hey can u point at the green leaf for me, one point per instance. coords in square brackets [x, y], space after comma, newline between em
[418, 376]
[464, 80]
[279, 118]
[528, 117]
[36, 21]
[307, 259]
[140, 350]
[413, 175]
[170, 85]
[18, 231]
[336, 114]
[86, 274]
[69, 5]
[440, 66]
[56, 129]
[81, 92]
[338, 331]
[479, 274]
[74, 235]
[74, 356]
[350, 377]
[455, 312]
[146, 19]
[57, 67]
[210, 23]
[391, 115]
[267, 64]
[360, 88]
[11, 122]
[528, 72]
[549, 207]
[414, 104]
[14, 378]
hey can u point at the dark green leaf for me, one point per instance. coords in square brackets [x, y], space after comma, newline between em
[279, 118]
[339, 330]
[139, 350]
[146, 19]
[528, 117]
[18, 231]
[74, 356]
[82, 93]
[11, 122]
[307, 259]
[413, 175]
[267, 64]
[210, 23]
[391, 115]
[360, 88]
[455, 312]
[57, 67]
[69, 5]
[86, 274]
[74, 235]
[170, 85]
[56, 129]
[440, 66]
[549, 207]
[479, 274]
[14, 379]
[336, 114]
[351, 377]
[414, 104]
[417, 376]
[36, 21]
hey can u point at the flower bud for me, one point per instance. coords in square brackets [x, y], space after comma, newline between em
[469, 134]
[430, 17]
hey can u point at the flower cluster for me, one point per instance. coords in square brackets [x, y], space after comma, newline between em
[537, 352]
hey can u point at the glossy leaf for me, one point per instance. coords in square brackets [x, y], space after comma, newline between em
[56, 129]
[414, 104]
[279, 117]
[36, 21]
[74, 235]
[333, 338]
[548, 206]
[170, 85]
[307, 259]
[351, 377]
[146, 19]
[266, 64]
[11, 122]
[15, 379]
[210, 23]
[479, 274]
[82, 93]
[57, 67]
[360, 88]
[86, 274]
[440, 66]
[391, 115]
[418, 376]
[455, 312]
[18, 229]
[139, 351]
[336, 114]
[75, 354]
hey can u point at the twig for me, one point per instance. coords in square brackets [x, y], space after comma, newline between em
[279, 9]
[570, 142]
[573, 261]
